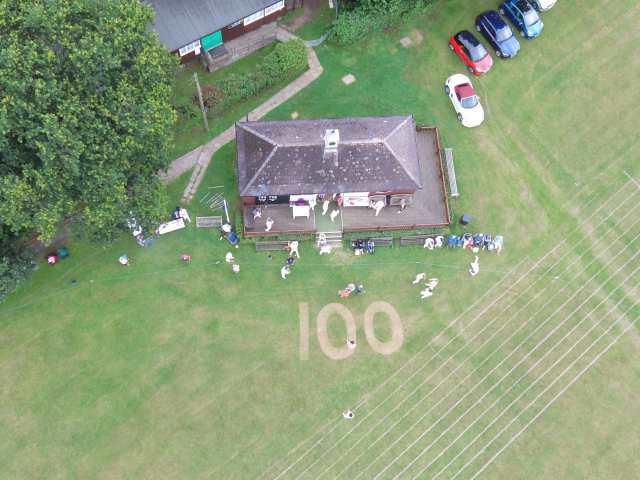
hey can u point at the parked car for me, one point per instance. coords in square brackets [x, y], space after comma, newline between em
[498, 34]
[471, 52]
[464, 99]
[543, 5]
[523, 16]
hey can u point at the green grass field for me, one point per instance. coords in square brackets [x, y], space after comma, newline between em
[169, 370]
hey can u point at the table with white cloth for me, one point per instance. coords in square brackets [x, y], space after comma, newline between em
[171, 226]
[301, 211]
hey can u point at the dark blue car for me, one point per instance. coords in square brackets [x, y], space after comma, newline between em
[498, 34]
[523, 16]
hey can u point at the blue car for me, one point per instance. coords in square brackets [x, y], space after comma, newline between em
[523, 16]
[492, 27]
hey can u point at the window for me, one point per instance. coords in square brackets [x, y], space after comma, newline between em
[274, 8]
[254, 18]
[192, 47]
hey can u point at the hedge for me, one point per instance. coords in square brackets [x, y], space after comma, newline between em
[287, 60]
[356, 24]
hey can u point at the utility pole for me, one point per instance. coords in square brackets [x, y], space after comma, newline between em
[204, 113]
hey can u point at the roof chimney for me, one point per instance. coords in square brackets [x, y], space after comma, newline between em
[331, 140]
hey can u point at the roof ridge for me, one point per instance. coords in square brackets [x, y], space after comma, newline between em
[259, 171]
[247, 128]
[400, 160]
[376, 140]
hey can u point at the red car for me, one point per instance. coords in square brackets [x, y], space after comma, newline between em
[471, 51]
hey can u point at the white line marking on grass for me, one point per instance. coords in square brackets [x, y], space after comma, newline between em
[602, 205]
[411, 360]
[629, 326]
[521, 395]
[635, 182]
[509, 356]
[535, 382]
[486, 326]
[476, 351]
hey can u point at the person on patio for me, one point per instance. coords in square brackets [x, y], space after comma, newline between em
[269, 224]
[334, 214]
[403, 205]
[325, 206]
[377, 206]
[257, 213]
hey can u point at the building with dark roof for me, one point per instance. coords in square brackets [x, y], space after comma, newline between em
[288, 167]
[191, 27]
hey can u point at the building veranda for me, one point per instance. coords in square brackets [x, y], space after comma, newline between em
[287, 170]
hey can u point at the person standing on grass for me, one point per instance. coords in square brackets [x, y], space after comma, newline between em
[419, 278]
[285, 271]
[235, 268]
[229, 258]
[474, 267]
[293, 248]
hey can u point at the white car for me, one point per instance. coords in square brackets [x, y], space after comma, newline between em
[465, 101]
[542, 5]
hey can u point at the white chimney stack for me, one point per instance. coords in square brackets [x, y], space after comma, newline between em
[331, 141]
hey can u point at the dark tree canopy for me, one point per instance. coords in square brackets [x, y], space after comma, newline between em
[85, 115]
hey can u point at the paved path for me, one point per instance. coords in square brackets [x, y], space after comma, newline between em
[199, 158]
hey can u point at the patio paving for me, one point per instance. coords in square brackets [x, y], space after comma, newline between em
[284, 223]
[429, 208]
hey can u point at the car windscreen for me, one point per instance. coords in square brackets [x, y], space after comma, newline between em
[530, 17]
[503, 34]
[477, 52]
[469, 102]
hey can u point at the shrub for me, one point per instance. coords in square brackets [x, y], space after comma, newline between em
[372, 16]
[211, 96]
[16, 262]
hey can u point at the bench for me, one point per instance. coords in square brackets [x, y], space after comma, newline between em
[208, 222]
[416, 239]
[271, 245]
[451, 172]
[382, 241]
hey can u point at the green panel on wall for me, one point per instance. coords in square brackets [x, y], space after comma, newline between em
[211, 41]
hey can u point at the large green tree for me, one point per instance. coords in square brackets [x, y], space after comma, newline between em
[85, 115]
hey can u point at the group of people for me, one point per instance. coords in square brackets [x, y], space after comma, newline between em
[430, 285]
[292, 248]
[349, 289]
[476, 242]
